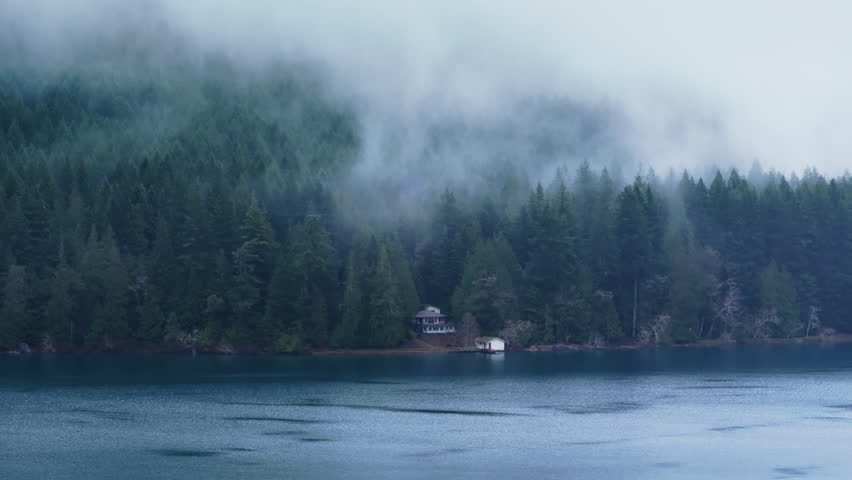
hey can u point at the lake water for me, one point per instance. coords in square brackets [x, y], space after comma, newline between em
[782, 411]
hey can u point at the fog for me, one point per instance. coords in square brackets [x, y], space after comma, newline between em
[660, 83]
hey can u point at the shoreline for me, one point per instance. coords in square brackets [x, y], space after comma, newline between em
[837, 338]
[418, 348]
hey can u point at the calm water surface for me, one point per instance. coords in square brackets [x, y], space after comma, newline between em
[734, 412]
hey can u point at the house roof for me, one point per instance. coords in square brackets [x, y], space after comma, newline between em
[429, 314]
[488, 339]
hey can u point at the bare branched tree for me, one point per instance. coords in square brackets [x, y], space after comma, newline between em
[517, 332]
[813, 320]
[656, 330]
[729, 309]
[596, 340]
[764, 322]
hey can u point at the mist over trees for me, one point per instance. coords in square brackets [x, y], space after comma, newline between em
[178, 199]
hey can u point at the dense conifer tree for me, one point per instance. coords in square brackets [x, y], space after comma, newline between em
[238, 223]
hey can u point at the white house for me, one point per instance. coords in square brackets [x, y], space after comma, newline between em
[490, 344]
[431, 321]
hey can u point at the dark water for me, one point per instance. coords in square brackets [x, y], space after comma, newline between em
[733, 412]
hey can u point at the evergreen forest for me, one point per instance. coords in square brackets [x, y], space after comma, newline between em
[198, 206]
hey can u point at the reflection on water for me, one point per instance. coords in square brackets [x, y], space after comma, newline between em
[795, 472]
[439, 453]
[723, 387]
[286, 433]
[182, 452]
[777, 411]
[596, 442]
[733, 428]
[603, 408]
[431, 411]
[273, 419]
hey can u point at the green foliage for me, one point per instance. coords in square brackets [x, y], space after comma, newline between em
[778, 294]
[637, 231]
[60, 308]
[14, 315]
[352, 309]
[487, 286]
[288, 342]
[386, 315]
[693, 284]
[236, 222]
[107, 282]
[152, 323]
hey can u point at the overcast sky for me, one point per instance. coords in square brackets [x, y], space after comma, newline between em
[697, 80]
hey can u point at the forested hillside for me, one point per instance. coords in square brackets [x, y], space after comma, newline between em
[137, 210]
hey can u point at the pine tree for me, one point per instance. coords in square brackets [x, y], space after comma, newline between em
[778, 298]
[386, 316]
[447, 251]
[14, 314]
[252, 269]
[352, 309]
[151, 322]
[634, 239]
[108, 279]
[486, 289]
[233, 226]
[313, 263]
[61, 305]
[402, 272]
[693, 283]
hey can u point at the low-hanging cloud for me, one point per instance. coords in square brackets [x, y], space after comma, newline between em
[685, 84]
